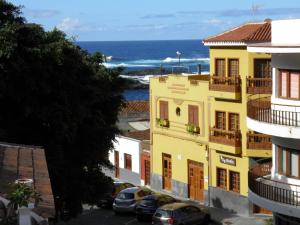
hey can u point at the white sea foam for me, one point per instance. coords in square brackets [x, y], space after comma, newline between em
[114, 65]
[171, 60]
[154, 62]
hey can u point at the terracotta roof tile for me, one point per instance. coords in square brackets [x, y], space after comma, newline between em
[249, 32]
[136, 107]
[28, 162]
[139, 135]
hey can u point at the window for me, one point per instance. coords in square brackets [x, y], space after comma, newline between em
[233, 67]
[289, 84]
[220, 120]
[234, 181]
[222, 178]
[287, 162]
[127, 160]
[193, 115]
[294, 91]
[262, 68]
[163, 109]
[220, 67]
[234, 123]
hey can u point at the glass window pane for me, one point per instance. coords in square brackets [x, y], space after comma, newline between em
[294, 85]
[294, 164]
[283, 162]
[283, 84]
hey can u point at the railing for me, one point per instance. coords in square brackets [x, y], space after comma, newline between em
[260, 183]
[226, 137]
[261, 110]
[259, 141]
[228, 84]
[259, 85]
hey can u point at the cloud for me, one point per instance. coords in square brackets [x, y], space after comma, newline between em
[158, 16]
[42, 13]
[69, 24]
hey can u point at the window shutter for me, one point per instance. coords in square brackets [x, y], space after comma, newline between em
[283, 82]
[294, 82]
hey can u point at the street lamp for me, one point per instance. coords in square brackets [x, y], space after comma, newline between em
[178, 55]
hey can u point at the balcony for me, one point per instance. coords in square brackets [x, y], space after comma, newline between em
[273, 119]
[259, 85]
[225, 140]
[225, 87]
[259, 145]
[271, 194]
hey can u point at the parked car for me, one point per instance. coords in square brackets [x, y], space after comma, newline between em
[149, 204]
[109, 198]
[180, 213]
[127, 199]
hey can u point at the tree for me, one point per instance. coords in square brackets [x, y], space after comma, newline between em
[56, 95]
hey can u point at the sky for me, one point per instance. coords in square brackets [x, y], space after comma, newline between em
[117, 20]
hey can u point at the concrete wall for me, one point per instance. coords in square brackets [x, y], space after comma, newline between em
[285, 31]
[129, 146]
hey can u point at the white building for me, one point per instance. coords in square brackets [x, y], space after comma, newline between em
[131, 158]
[278, 189]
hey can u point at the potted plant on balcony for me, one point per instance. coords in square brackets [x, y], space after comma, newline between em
[193, 129]
[162, 122]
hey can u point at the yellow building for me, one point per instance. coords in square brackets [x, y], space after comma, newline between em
[200, 144]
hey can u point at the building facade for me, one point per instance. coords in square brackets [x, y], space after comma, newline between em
[200, 144]
[131, 158]
[277, 188]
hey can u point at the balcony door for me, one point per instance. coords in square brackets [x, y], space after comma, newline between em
[167, 172]
[221, 120]
[234, 121]
[262, 68]
[233, 67]
[220, 67]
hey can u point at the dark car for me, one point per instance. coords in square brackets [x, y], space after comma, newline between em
[149, 204]
[180, 213]
[127, 200]
[109, 198]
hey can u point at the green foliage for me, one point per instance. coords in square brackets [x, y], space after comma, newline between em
[162, 122]
[22, 194]
[269, 221]
[56, 95]
[193, 129]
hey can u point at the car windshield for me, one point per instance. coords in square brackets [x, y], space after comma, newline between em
[148, 202]
[162, 213]
[125, 195]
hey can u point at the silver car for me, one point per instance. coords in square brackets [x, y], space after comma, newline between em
[180, 213]
[128, 198]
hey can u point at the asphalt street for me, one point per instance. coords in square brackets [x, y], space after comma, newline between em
[105, 217]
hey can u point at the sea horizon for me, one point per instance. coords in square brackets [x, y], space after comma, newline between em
[149, 58]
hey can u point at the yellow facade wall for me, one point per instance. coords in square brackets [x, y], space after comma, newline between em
[181, 151]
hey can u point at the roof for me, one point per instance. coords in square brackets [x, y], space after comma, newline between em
[249, 32]
[139, 135]
[136, 107]
[27, 162]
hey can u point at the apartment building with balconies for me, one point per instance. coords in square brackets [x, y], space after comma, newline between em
[277, 188]
[201, 147]
[235, 76]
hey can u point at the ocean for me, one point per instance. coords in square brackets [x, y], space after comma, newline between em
[149, 57]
